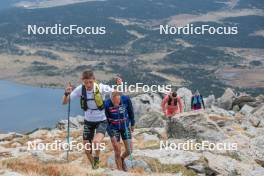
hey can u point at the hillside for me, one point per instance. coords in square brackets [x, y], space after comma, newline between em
[133, 46]
[231, 119]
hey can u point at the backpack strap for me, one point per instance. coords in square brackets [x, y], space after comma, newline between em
[175, 102]
[83, 99]
[98, 97]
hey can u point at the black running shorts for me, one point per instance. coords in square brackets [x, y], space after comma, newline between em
[90, 128]
[125, 134]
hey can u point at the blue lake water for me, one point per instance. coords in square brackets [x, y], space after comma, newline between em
[25, 108]
[4, 4]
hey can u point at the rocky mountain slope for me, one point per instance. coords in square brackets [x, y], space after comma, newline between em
[231, 119]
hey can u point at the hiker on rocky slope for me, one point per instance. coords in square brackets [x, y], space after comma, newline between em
[171, 104]
[92, 95]
[197, 101]
[120, 117]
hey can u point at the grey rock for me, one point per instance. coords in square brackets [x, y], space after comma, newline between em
[257, 172]
[220, 111]
[246, 109]
[254, 120]
[226, 100]
[146, 103]
[259, 112]
[186, 96]
[209, 101]
[243, 100]
[75, 122]
[229, 166]
[256, 149]
[236, 108]
[194, 125]
[260, 99]
[134, 164]
[190, 160]
[152, 119]
[170, 156]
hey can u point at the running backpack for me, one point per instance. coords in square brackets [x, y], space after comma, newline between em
[197, 100]
[175, 101]
[97, 98]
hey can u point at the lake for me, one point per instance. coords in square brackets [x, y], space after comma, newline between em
[24, 108]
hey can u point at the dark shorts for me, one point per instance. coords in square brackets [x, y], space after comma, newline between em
[90, 128]
[112, 132]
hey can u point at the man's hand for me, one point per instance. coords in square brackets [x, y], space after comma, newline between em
[68, 89]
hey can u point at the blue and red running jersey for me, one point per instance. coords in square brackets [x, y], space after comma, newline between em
[121, 116]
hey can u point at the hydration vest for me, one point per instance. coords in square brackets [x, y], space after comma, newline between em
[118, 115]
[97, 98]
[197, 100]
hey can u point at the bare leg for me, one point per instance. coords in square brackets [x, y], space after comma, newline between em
[96, 142]
[88, 150]
[127, 148]
[117, 150]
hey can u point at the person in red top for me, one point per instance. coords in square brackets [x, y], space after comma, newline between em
[171, 104]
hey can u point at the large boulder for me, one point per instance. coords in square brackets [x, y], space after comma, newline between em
[245, 99]
[230, 166]
[152, 119]
[226, 100]
[209, 101]
[186, 96]
[145, 103]
[194, 125]
[220, 111]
